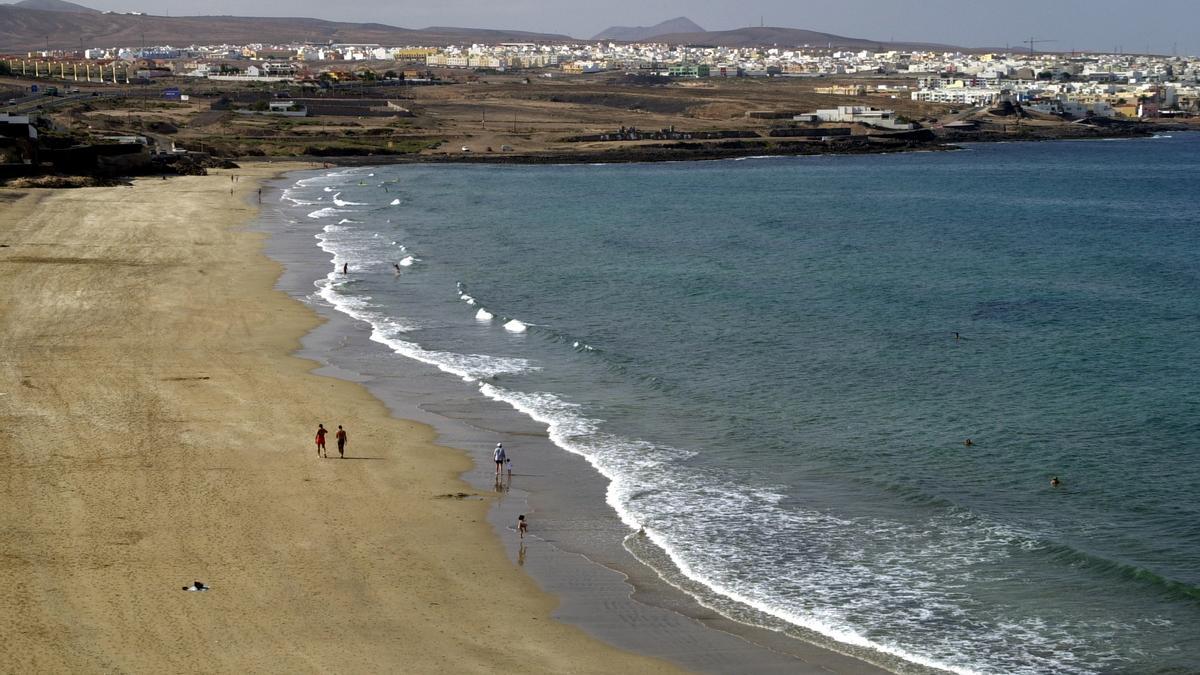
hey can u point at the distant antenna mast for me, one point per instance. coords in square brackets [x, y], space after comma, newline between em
[760, 21]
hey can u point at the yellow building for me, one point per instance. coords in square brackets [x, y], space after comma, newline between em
[413, 53]
[843, 90]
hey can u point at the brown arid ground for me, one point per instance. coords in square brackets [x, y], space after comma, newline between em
[157, 431]
[519, 117]
[530, 114]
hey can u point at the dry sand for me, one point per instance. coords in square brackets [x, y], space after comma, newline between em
[158, 431]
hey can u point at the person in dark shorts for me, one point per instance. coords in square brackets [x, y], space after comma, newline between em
[341, 441]
[321, 440]
[498, 456]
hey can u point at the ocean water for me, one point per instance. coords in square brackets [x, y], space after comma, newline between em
[760, 359]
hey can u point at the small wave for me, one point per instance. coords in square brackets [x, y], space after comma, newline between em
[389, 331]
[515, 326]
[395, 202]
[483, 315]
[1116, 570]
[462, 294]
[407, 261]
[326, 212]
[342, 202]
[287, 195]
[328, 189]
[343, 221]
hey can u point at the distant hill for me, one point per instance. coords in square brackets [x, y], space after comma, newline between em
[70, 25]
[680, 24]
[784, 37]
[55, 6]
[24, 29]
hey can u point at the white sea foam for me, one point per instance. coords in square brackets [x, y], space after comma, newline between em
[290, 195]
[327, 189]
[407, 261]
[483, 315]
[343, 221]
[342, 202]
[326, 212]
[395, 202]
[649, 493]
[389, 332]
[515, 326]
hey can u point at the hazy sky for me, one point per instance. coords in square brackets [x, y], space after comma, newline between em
[1163, 26]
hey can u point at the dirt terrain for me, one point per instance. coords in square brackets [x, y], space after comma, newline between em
[515, 118]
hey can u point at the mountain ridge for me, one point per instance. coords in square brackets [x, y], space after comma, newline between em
[24, 29]
[55, 6]
[775, 36]
[65, 27]
[680, 24]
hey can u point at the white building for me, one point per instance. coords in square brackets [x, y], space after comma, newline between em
[971, 96]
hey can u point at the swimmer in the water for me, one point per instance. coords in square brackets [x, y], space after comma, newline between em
[968, 442]
[1055, 482]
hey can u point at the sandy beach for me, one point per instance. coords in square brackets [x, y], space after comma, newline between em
[158, 431]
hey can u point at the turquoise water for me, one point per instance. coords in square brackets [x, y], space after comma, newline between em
[760, 356]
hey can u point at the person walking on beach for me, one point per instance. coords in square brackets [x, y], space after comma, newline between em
[522, 526]
[321, 440]
[499, 457]
[341, 441]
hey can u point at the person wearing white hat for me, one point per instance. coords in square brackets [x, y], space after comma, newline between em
[499, 457]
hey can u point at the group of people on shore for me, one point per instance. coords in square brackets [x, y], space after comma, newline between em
[340, 436]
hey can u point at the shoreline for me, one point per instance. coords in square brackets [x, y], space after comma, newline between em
[604, 588]
[161, 433]
[681, 151]
[694, 152]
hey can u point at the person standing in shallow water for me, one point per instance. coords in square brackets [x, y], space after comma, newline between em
[341, 441]
[321, 440]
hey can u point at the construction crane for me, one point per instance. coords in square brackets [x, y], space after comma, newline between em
[1034, 41]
